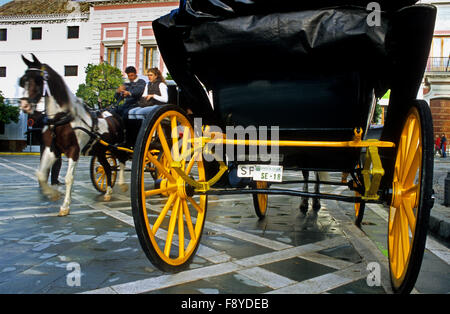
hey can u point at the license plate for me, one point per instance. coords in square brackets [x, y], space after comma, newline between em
[271, 173]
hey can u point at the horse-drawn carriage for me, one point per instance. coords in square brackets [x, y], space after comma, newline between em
[308, 73]
[312, 72]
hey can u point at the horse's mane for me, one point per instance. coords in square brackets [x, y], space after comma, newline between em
[57, 87]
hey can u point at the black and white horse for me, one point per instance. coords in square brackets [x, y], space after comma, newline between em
[69, 129]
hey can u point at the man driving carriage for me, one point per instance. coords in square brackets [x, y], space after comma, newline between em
[131, 91]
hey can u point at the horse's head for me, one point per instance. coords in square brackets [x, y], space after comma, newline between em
[33, 84]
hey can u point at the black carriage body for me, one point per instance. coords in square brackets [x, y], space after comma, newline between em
[312, 70]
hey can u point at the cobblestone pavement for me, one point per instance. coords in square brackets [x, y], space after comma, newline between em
[287, 252]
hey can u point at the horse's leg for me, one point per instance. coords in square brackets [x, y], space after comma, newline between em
[48, 158]
[123, 186]
[316, 200]
[304, 200]
[65, 208]
[105, 164]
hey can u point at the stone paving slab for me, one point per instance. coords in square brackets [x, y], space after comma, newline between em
[287, 252]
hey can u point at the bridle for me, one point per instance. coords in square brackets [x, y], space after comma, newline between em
[63, 117]
[45, 90]
[58, 119]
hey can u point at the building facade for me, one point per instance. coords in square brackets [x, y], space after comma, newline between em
[68, 35]
[437, 76]
[122, 33]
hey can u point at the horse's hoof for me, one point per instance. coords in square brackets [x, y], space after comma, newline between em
[316, 205]
[56, 196]
[63, 212]
[304, 206]
[107, 198]
[124, 187]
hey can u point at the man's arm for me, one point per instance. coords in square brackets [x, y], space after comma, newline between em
[136, 90]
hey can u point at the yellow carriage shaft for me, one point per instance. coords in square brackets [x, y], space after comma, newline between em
[372, 171]
[341, 144]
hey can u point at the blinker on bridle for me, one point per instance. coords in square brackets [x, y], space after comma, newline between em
[44, 74]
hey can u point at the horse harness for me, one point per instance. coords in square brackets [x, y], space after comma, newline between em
[66, 117]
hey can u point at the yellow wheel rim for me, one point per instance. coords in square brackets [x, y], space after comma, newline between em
[357, 204]
[100, 175]
[178, 222]
[262, 198]
[405, 200]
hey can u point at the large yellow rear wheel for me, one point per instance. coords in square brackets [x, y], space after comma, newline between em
[168, 218]
[411, 198]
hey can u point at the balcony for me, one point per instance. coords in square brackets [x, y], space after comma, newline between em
[438, 64]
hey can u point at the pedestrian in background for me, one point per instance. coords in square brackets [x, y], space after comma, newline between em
[437, 145]
[443, 146]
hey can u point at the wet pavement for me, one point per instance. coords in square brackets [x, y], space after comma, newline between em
[96, 250]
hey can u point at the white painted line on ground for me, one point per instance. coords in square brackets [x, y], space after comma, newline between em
[79, 212]
[325, 282]
[19, 171]
[266, 277]
[326, 260]
[271, 244]
[165, 281]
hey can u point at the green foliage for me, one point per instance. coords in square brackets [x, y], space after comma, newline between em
[377, 114]
[168, 76]
[102, 80]
[8, 113]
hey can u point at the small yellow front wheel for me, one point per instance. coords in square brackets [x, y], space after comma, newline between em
[98, 173]
[411, 198]
[168, 217]
[260, 201]
[359, 206]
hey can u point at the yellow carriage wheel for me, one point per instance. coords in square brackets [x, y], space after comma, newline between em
[359, 206]
[411, 198]
[260, 201]
[169, 218]
[359, 211]
[98, 174]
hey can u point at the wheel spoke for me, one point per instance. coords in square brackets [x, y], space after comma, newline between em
[171, 230]
[162, 139]
[408, 209]
[402, 157]
[99, 178]
[410, 174]
[191, 163]
[189, 220]
[163, 213]
[196, 206]
[174, 133]
[397, 244]
[404, 235]
[186, 137]
[180, 232]
[161, 168]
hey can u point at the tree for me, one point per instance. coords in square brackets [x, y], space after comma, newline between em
[8, 113]
[102, 80]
